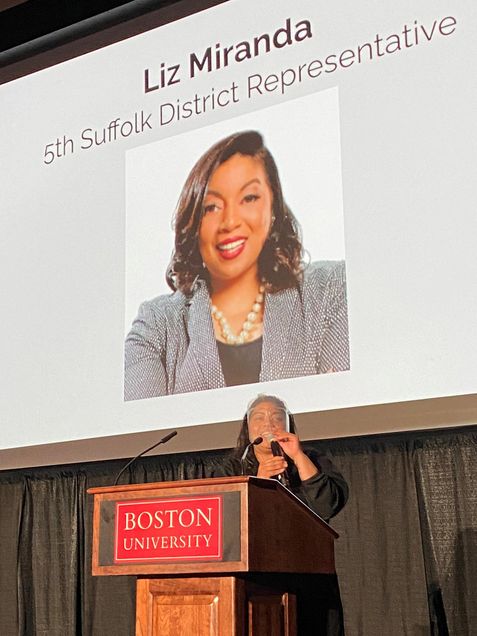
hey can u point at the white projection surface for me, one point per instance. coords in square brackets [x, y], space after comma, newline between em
[369, 109]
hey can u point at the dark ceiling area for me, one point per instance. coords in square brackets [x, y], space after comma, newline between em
[27, 21]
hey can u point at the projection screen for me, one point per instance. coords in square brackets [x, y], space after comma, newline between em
[368, 113]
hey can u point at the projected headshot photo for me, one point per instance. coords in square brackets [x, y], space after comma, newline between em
[246, 303]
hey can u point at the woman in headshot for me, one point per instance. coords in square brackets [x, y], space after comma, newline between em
[244, 307]
[314, 480]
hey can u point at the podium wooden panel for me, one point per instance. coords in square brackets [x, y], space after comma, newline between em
[263, 528]
[212, 606]
[199, 606]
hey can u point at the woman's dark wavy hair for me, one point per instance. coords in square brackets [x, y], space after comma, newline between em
[280, 261]
[243, 437]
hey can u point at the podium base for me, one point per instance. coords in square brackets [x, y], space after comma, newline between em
[212, 606]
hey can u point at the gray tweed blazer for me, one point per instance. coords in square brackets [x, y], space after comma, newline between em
[171, 347]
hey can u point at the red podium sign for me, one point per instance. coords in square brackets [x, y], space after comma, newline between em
[159, 529]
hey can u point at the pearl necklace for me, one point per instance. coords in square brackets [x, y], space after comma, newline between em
[226, 330]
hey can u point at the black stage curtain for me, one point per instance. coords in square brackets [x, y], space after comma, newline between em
[406, 557]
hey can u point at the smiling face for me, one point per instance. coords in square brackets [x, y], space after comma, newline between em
[236, 220]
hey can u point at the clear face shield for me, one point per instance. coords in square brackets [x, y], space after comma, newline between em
[265, 420]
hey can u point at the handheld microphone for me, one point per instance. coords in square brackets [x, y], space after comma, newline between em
[164, 440]
[257, 440]
[277, 451]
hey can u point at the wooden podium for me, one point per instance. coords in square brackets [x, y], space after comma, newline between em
[210, 554]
